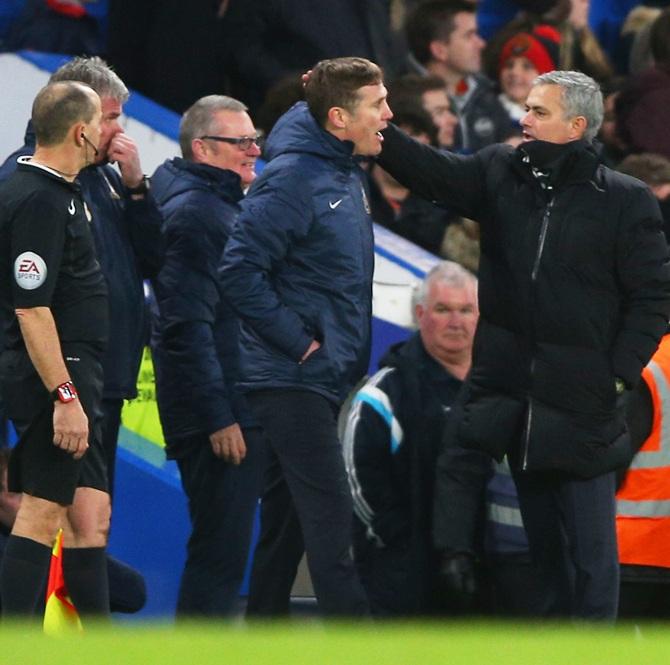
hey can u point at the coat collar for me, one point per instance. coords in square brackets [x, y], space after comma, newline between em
[566, 164]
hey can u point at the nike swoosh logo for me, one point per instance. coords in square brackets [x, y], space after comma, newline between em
[71, 208]
[334, 205]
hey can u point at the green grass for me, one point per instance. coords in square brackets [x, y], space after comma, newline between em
[314, 644]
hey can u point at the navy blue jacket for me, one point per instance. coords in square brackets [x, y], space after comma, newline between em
[127, 238]
[196, 337]
[299, 263]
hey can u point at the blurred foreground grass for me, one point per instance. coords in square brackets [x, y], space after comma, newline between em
[465, 643]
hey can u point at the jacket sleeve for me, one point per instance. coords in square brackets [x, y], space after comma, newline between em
[446, 179]
[460, 493]
[372, 436]
[643, 269]
[188, 298]
[145, 221]
[274, 217]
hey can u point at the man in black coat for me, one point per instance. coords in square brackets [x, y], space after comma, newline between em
[574, 295]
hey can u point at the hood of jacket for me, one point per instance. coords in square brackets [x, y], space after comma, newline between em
[297, 131]
[177, 176]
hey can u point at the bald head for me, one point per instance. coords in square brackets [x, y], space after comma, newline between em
[59, 106]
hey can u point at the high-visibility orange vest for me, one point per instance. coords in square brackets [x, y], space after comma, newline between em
[643, 501]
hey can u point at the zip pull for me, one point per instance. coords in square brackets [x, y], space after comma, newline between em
[543, 237]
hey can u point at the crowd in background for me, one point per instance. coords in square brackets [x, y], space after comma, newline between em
[256, 50]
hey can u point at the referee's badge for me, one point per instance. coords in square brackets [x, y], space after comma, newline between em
[30, 270]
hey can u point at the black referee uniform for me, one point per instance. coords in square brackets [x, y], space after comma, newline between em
[47, 259]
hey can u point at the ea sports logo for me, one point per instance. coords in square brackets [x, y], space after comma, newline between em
[30, 271]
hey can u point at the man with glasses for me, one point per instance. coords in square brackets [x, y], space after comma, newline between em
[207, 426]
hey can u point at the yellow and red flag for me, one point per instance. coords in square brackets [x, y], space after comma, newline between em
[60, 615]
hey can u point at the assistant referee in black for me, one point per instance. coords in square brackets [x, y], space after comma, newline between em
[53, 303]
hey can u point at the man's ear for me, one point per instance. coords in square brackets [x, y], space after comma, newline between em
[579, 125]
[439, 50]
[337, 117]
[78, 130]
[419, 310]
[198, 149]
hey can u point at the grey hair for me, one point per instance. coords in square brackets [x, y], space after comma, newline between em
[581, 95]
[96, 74]
[198, 119]
[448, 272]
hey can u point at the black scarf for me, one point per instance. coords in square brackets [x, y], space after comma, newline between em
[549, 162]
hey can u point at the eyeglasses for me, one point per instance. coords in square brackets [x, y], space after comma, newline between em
[243, 143]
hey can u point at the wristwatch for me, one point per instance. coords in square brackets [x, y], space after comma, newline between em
[139, 191]
[65, 393]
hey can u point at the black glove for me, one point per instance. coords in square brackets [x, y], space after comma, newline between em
[458, 581]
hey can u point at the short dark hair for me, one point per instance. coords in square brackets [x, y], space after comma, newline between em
[413, 117]
[336, 82]
[432, 20]
[412, 87]
[652, 169]
[57, 107]
[659, 39]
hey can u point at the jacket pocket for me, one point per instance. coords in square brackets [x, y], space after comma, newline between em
[317, 368]
[584, 445]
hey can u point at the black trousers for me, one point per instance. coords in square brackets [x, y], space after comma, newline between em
[513, 587]
[571, 530]
[306, 503]
[222, 499]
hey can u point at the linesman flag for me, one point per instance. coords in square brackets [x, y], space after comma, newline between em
[60, 615]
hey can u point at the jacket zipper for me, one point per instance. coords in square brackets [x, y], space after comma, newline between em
[533, 277]
[543, 237]
[529, 421]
